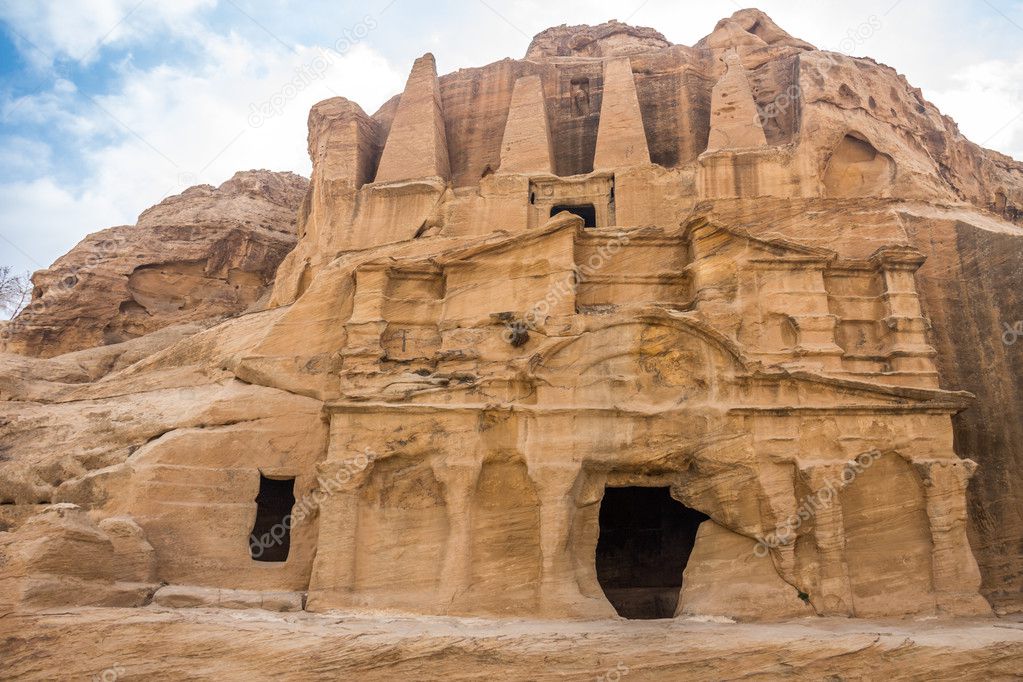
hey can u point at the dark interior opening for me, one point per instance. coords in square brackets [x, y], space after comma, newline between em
[645, 540]
[271, 534]
[585, 211]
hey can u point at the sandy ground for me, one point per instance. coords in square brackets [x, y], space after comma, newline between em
[173, 644]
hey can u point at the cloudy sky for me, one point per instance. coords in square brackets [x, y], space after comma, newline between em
[107, 106]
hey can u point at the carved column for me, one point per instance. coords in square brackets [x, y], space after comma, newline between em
[954, 569]
[459, 480]
[337, 497]
[905, 327]
[835, 590]
[559, 590]
[557, 505]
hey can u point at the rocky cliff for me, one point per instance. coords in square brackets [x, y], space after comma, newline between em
[203, 254]
[830, 128]
[721, 279]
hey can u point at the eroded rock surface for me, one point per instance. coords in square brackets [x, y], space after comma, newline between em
[623, 328]
[159, 644]
[202, 254]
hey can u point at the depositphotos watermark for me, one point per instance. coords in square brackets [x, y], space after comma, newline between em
[1012, 332]
[111, 674]
[310, 72]
[809, 506]
[311, 502]
[853, 38]
[97, 252]
[516, 330]
[614, 674]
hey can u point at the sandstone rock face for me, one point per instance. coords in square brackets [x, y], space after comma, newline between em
[612, 39]
[620, 329]
[60, 557]
[158, 644]
[201, 254]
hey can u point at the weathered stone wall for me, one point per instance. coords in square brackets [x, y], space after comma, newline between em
[724, 304]
[968, 288]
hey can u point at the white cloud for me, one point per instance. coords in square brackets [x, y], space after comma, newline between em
[160, 129]
[59, 29]
[169, 127]
[35, 217]
[24, 156]
[987, 99]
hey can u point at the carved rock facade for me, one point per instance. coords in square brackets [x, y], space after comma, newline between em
[553, 322]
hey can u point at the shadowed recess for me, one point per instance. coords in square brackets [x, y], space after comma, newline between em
[271, 536]
[645, 540]
[587, 212]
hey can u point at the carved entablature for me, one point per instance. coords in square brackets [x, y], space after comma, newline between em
[795, 305]
[652, 397]
[784, 303]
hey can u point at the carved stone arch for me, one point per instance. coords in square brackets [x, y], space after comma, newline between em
[655, 319]
[649, 360]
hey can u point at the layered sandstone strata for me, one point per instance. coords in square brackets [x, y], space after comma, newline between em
[623, 327]
[205, 253]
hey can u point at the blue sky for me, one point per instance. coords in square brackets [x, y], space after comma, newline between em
[108, 106]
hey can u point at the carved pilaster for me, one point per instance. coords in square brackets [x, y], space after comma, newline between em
[954, 569]
[905, 327]
[559, 589]
[834, 587]
[337, 500]
[366, 324]
[459, 480]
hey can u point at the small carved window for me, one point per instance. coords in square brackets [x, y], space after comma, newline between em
[270, 539]
[585, 211]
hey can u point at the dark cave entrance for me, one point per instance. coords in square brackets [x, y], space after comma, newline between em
[587, 212]
[270, 539]
[645, 540]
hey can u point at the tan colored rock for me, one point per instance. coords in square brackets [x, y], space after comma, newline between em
[526, 145]
[970, 259]
[184, 596]
[344, 145]
[417, 146]
[205, 253]
[134, 558]
[60, 557]
[749, 27]
[621, 139]
[608, 376]
[734, 119]
[732, 580]
[161, 643]
[609, 39]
